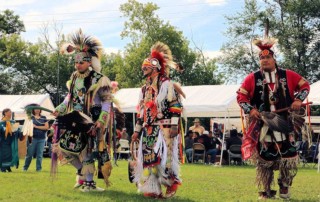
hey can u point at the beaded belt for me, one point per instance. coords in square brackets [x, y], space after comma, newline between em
[162, 122]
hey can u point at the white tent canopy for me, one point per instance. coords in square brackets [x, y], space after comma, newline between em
[211, 101]
[314, 95]
[201, 101]
[17, 103]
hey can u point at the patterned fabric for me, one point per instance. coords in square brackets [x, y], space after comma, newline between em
[72, 141]
[150, 157]
[86, 93]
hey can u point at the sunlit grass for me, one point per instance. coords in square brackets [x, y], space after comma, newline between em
[200, 183]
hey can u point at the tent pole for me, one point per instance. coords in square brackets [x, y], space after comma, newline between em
[224, 134]
[319, 158]
[186, 126]
[134, 121]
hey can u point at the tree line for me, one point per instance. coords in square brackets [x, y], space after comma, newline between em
[39, 68]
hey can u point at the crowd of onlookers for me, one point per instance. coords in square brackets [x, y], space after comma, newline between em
[212, 142]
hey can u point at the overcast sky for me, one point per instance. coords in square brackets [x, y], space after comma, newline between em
[202, 20]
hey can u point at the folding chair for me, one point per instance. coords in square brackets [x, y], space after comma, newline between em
[305, 153]
[124, 148]
[198, 150]
[235, 153]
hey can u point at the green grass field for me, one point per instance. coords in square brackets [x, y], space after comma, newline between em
[200, 183]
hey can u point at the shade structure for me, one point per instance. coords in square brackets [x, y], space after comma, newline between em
[17, 103]
[200, 101]
[314, 95]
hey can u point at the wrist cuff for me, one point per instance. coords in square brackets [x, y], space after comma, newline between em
[62, 108]
[246, 107]
[103, 117]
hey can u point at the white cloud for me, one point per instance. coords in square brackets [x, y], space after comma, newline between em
[109, 50]
[102, 18]
[99, 16]
[80, 6]
[216, 2]
[14, 3]
[31, 20]
[212, 54]
[209, 2]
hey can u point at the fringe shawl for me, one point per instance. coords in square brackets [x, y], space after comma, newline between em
[166, 92]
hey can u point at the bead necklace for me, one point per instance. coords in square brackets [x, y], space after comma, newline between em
[82, 75]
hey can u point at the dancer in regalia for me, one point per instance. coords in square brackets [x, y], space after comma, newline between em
[84, 113]
[157, 126]
[272, 97]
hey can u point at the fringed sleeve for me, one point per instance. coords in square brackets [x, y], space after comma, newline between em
[62, 108]
[102, 95]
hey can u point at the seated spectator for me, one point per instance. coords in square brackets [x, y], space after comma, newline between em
[218, 133]
[234, 139]
[188, 145]
[210, 145]
[195, 137]
[197, 126]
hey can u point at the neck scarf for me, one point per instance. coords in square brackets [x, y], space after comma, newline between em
[8, 127]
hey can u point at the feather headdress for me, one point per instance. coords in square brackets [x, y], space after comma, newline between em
[265, 44]
[86, 48]
[161, 58]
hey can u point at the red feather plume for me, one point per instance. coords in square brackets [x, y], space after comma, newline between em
[160, 58]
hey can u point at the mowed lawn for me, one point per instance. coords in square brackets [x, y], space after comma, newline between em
[200, 183]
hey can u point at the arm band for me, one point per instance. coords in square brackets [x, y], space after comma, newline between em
[301, 95]
[303, 92]
[246, 107]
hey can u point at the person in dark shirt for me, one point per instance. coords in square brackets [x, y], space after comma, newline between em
[210, 145]
[188, 145]
[234, 139]
[36, 144]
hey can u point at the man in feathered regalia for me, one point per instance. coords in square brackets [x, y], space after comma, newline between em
[158, 126]
[272, 97]
[89, 100]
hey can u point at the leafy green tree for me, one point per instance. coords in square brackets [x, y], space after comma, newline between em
[144, 28]
[12, 52]
[29, 69]
[10, 23]
[238, 57]
[112, 64]
[295, 23]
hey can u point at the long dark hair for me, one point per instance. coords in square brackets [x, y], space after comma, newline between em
[4, 111]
